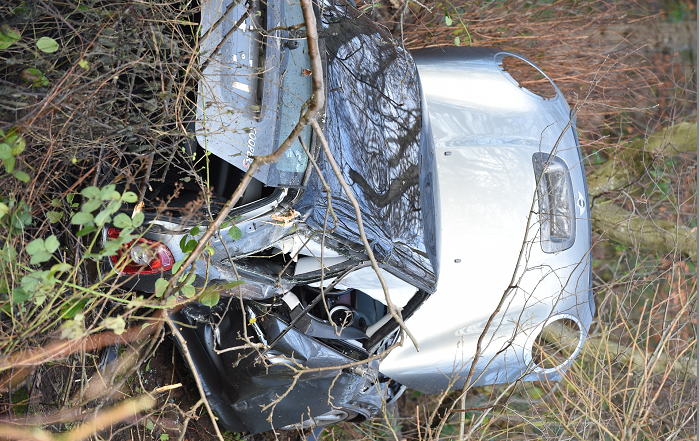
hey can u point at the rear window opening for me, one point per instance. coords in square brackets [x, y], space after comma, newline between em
[527, 77]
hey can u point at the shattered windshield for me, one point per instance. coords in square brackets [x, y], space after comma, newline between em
[373, 127]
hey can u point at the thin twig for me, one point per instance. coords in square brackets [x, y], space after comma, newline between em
[193, 368]
[360, 227]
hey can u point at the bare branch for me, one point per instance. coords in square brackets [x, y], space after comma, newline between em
[193, 368]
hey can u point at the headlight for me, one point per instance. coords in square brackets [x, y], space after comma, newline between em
[556, 200]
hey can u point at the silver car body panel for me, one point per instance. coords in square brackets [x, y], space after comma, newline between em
[485, 131]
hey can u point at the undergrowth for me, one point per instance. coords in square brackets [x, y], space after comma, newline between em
[93, 94]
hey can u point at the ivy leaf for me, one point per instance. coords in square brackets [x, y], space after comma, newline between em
[81, 218]
[122, 220]
[209, 297]
[235, 233]
[161, 285]
[47, 45]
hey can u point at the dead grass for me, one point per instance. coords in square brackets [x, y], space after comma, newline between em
[131, 91]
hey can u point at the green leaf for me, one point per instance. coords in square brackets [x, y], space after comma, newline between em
[189, 291]
[164, 437]
[47, 44]
[235, 233]
[149, 425]
[161, 285]
[194, 231]
[40, 257]
[456, 41]
[209, 297]
[116, 324]
[54, 216]
[85, 231]
[231, 285]
[448, 20]
[51, 244]
[225, 225]
[125, 235]
[8, 253]
[91, 205]
[129, 197]
[72, 308]
[189, 246]
[90, 192]
[34, 76]
[84, 64]
[19, 295]
[122, 220]
[114, 206]
[108, 192]
[8, 36]
[4, 209]
[22, 176]
[5, 151]
[137, 220]
[81, 218]
[177, 265]
[35, 246]
[61, 267]
[18, 145]
[9, 164]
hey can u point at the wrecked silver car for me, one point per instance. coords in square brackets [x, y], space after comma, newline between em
[473, 197]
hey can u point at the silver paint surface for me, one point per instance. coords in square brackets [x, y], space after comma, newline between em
[491, 128]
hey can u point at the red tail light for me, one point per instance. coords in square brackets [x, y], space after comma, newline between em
[144, 256]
